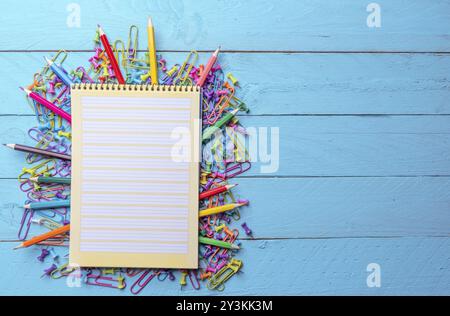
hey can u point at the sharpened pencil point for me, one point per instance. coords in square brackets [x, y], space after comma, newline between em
[25, 90]
[100, 30]
[50, 62]
[149, 22]
[230, 186]
[19, 246]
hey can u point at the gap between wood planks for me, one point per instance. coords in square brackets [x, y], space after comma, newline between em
[296, 114]
[306, 238]
[235, 51]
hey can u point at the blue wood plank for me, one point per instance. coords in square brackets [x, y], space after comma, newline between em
[406, 25]
[292, 83]
[316, 146]
[409, 266]
[312, 207]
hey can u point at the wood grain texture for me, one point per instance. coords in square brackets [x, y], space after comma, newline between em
[313, 207]
[363, 116]
[343, 84]
[317, 146]
[407, 25]
[409, 266]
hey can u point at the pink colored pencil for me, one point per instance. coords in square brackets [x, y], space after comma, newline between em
[208, 67]
[48, 105]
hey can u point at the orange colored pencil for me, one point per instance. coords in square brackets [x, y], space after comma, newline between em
[50, 234]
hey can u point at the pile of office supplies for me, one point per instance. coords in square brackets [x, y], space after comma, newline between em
[46, 177]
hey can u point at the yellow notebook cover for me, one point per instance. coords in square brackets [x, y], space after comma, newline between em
[135, 174]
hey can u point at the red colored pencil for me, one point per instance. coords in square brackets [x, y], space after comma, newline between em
[209, 65]
[215, 191]
[111, 56]
[48, 105]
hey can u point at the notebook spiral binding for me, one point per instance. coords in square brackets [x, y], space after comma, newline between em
[133, 87]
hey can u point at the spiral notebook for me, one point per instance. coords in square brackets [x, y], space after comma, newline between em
[135, 174]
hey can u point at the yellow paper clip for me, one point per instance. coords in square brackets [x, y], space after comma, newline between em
[183, 75]
[217, 280]
[62, 271]
[40, 169]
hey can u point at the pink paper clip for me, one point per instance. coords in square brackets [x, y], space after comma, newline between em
[106, 281]
[233, 169]
[133, 272]
[142, 282]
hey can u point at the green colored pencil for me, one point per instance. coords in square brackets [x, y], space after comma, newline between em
[48, 204]
[50, 180]
[217, 243]
[209, 131]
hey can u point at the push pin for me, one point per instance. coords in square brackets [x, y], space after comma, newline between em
[44, 253]
[54, 254]
[233, 79]
[247, 230]
[48, 272]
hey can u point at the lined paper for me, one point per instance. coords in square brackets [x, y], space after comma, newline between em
[130, 197]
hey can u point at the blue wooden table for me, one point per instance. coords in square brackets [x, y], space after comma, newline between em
[364, 120]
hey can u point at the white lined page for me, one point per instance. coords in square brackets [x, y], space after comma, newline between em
[134, 197]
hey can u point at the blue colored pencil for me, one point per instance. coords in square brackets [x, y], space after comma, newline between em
[48, 204]
[59, 72]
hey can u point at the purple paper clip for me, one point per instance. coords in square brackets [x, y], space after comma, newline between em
[164, 274]
[193, 278]
[142, 281]
[105, 281]
[25, 224]
[234, 169]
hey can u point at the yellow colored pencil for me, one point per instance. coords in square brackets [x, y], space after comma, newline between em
[152, 51]
[219, 209]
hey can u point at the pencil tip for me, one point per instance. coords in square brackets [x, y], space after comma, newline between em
[149, 21]
[48, 60]
[20, 246]
[25, 90]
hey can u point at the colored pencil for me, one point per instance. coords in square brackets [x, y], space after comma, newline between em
[38, 151]
[217, 243]
[59, 72]
[51, 180]
[112, 58]
[207, 69]
[152, 51]
[216, 191]
[219, 209]
[209, 131]
[50, 234]
[36, 97]
[47, 204]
